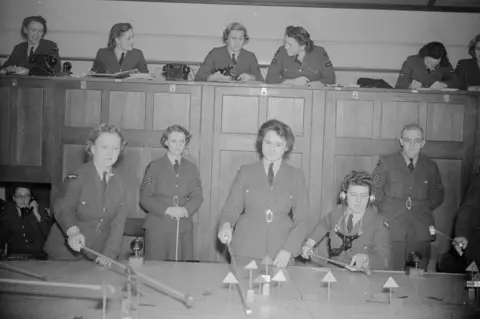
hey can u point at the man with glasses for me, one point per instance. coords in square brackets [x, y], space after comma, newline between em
[408, 188]
[23, 226]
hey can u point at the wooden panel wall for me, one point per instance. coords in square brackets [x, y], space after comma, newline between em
[361, 126]
[4, 125]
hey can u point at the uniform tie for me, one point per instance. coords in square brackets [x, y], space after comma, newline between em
[175, 166]
[30, 56]
[411, 166]
[270, 174]
[234, 61]
[350, 223]
[122, 57]
[104, 181]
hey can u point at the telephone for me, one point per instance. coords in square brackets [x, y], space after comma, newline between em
[27, 211]
[229, 70]
[176, 71]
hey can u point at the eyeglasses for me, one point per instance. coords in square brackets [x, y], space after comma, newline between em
[409, 141]
[20, 196]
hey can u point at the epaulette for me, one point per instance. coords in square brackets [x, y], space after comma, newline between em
[328, 64]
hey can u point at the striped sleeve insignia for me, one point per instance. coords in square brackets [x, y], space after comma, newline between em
[274, 61]
[328, 64]
[145, 183]
[72, 176]
[376, 178]
[439, 185]
[199, 182]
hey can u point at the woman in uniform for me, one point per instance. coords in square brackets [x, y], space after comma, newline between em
[89, 208]
[33, 31]
[242, 65]
[468, 70]
[430, 68]
[120, 55]
[299, 61]
[267, 192]
[357, 234]
[171, 193]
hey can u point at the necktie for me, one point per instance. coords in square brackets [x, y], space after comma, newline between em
[350, 223]
[270, 174]
[104, 181]
[122, 57]
[175, 166]
[411, 166]
[30, 56]
[234, 61]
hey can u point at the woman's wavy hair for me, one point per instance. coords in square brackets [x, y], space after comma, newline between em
[175, 128]
[435, 50]
[301, 36]
[282, 129]
[472, 45]
[235, 26]
[357, 178]
[116, 31]
[95, 134]
[26, 22]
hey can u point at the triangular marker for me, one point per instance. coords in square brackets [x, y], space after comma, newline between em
[472, 267]
[329, 277]
[280, 276]
[267, 261]
[251, 265]
[230, 279]
[391, 283]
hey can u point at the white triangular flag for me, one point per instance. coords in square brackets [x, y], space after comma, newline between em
[391, 283]
[267, 261]
[251, 265]
[230, 279]
[329, 277]
[473, 267]
[280, 276]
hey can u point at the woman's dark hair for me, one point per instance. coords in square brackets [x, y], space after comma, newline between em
[170, 130]
[95, 134]
[472, 45]
[116, 31]
[282, 129]
[235, 26]
[357, 178]
[26, 22]
[301, 36]
[435, 50]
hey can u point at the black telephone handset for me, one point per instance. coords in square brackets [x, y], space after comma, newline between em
[176, 71]
[27, 211]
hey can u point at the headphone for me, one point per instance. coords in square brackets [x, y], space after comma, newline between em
[345, 184]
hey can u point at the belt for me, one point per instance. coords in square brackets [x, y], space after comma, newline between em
[408, 202]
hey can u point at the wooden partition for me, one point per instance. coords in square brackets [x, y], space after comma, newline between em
[44, 124]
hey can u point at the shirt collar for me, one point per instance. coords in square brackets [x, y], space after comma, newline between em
[100, 172]
[407, 159]
[276, 164]
[172, 158]
[32, 46]
[356, 216]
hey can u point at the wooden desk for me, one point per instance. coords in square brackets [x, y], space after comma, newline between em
[44, 123]
[354, 295]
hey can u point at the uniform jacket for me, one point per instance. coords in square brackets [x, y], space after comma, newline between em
[219, 58]
[24, 235]
[468, 73]
[159, 187]
[316, 66]
[374, 240]
[19, 55]
[394, 184]
[100, 216]
[251, 194]
[468, 215]
[106, 61]
[414, 69]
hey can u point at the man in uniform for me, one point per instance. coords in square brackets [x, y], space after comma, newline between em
[408, 188]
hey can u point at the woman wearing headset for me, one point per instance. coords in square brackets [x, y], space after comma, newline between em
[357, 234]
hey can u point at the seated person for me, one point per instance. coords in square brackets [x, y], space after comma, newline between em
[467, 232]
[20, 60]
[119, 55]
[299, 61]
[468, 70]
[243, 63]
[430, 68]
[24, 227]
[358, 235]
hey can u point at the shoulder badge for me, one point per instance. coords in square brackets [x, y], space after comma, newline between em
[438, 185]
[401, 74]
[325, 53]
[145, 183]
[199, 182]
[72, 176]
[274, 61]
[328, 64]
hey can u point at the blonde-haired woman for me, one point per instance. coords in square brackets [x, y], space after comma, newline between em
[89, 209]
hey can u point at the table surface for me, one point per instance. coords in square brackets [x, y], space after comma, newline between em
[354, 295]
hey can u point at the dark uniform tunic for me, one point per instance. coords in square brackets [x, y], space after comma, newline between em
[414, 69]
[24, 235]
[316, 66]
[396, 190]
[219, 58]
[99, 213]
[106, 61]
[20, 56]
[159, 187]
[373, 240]
[468, 73]
[258, 233]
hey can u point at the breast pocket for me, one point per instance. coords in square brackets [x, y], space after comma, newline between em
[396, 184]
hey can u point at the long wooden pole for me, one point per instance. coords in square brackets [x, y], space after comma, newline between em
[51, 284]
[22, 271]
